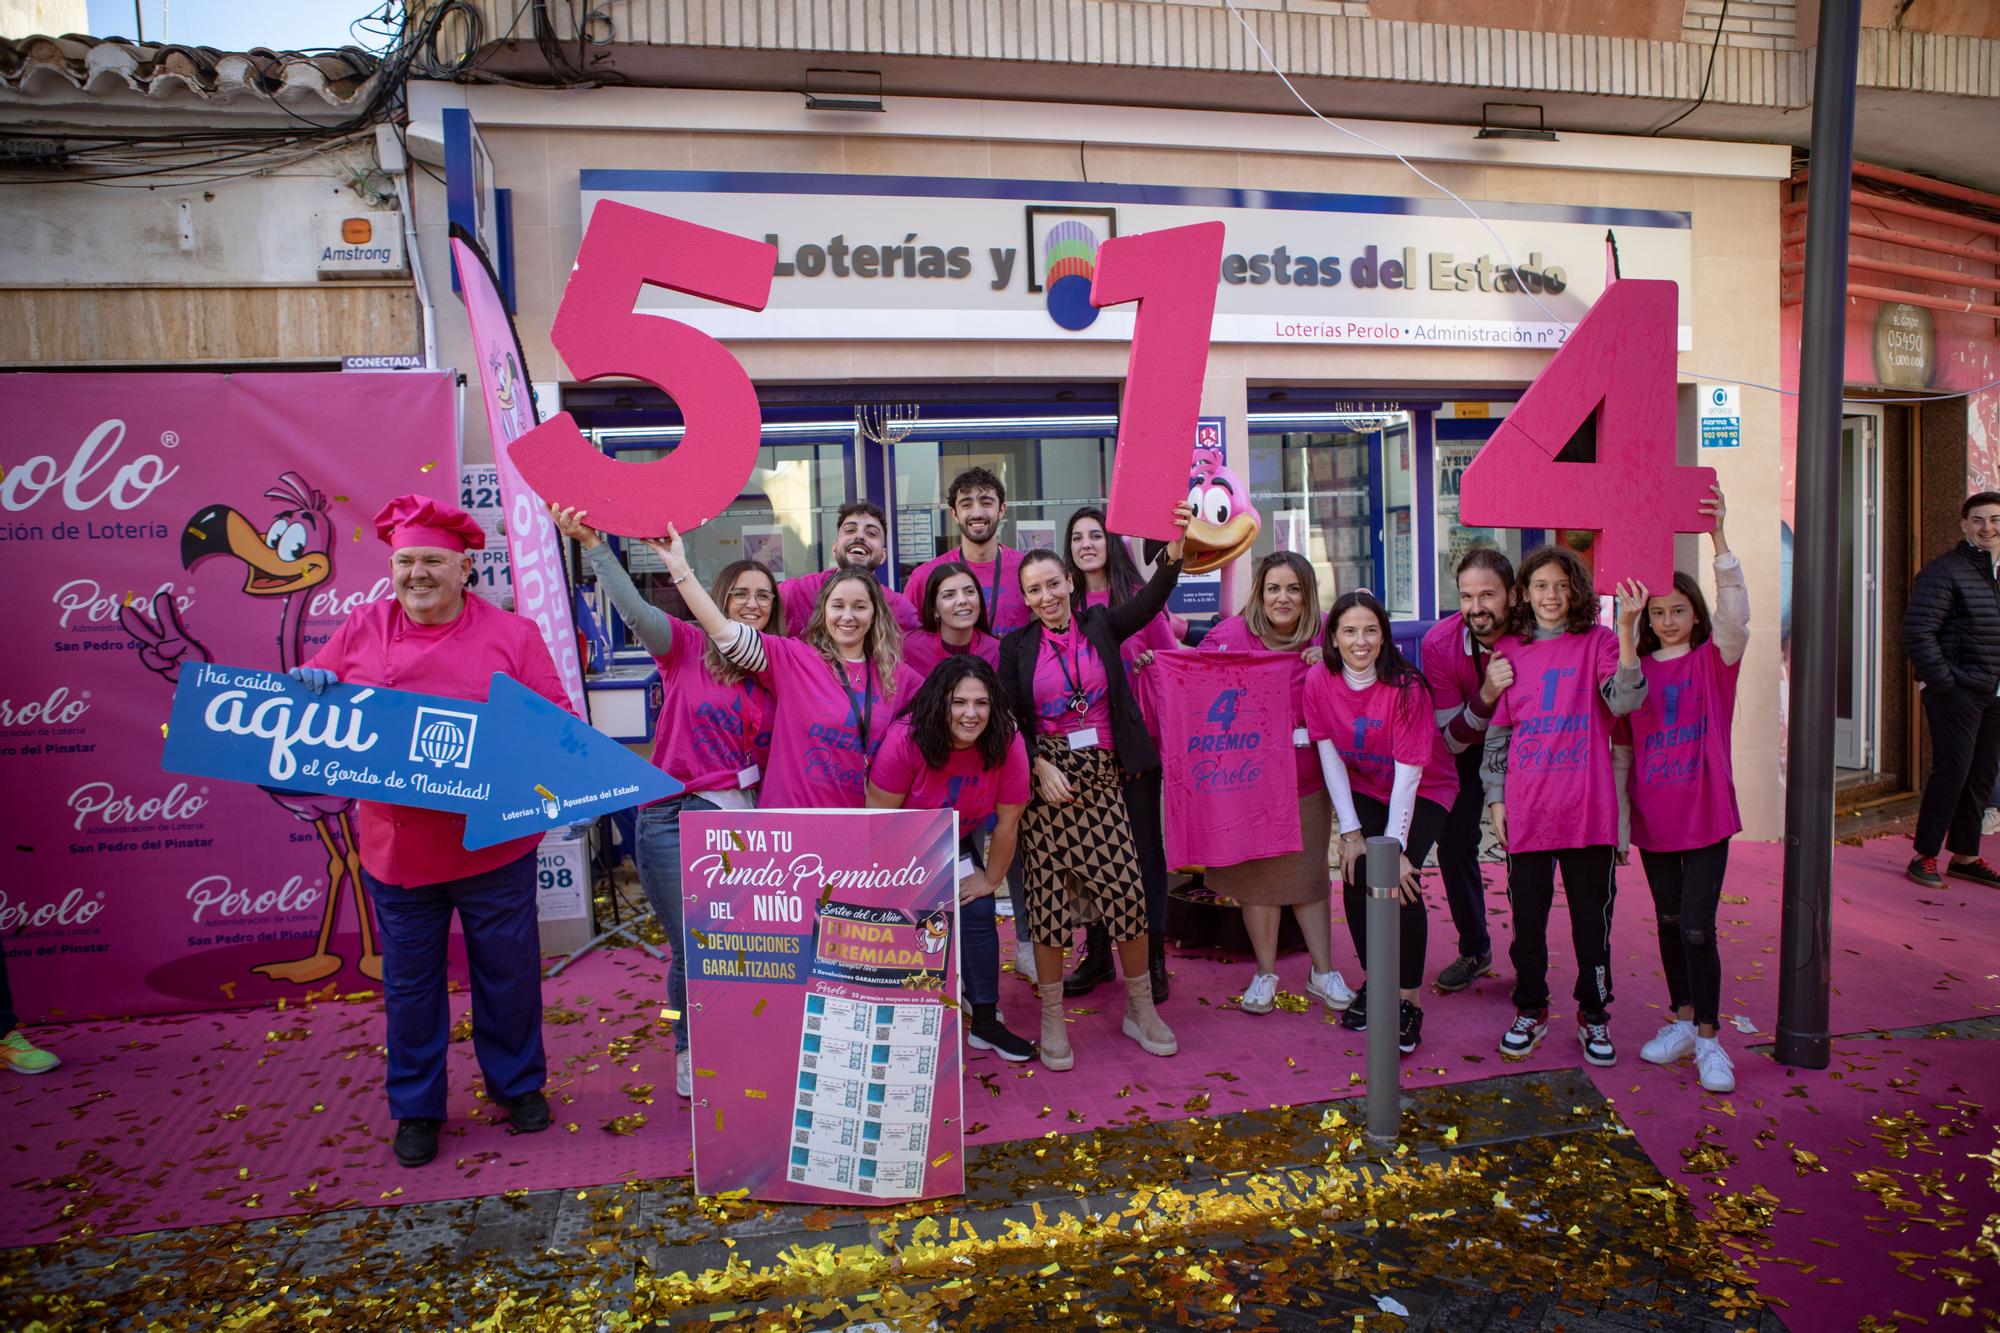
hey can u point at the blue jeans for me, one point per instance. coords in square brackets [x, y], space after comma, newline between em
[658, 852]
[504, 951]
[979, 962]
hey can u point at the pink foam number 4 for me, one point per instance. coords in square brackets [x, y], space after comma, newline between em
[1618, 362]
[1172, 274]
[598, 333]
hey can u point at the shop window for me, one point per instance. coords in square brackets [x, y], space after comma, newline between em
[1048, 478]
[1458, 443]
[1344, 498]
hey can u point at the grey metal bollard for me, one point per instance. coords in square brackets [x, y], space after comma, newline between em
[1385, 871]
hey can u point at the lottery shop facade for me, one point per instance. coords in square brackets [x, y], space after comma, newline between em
[1369, 335]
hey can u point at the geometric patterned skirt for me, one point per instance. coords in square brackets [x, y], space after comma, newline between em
[1078, 861]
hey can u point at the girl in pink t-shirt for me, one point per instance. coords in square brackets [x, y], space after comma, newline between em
[835, 688]
[1551, 789]
[955, 748]
[1281, 615]
[953, 618]
[714, 731]
[1385, 764]
[1102, 573]
[1684, 796]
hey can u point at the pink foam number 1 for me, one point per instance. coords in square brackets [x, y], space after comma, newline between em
[598, 333]
[1635, 497]
[1172, 274]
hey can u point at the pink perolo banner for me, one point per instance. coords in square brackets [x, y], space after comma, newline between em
[148, 523]
[823, 961]
[1232, 791]
[540, 591]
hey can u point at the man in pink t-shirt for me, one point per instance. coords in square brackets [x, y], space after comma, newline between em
[433, 639]
[861, 542]
[978, 503]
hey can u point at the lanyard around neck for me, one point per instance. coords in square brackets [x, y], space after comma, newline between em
[1079, 702]
[862, 701]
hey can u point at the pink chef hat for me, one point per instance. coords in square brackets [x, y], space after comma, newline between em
[418, 520]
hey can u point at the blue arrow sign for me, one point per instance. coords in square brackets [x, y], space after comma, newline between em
[513, 766]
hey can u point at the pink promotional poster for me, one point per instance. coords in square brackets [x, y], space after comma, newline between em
[151, 522]
[823, 1019]
[1232, 789]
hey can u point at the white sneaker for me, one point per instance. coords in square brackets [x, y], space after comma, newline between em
[1260, 995]
[1989, 823]
[1024, 961]
[1712, 1063]
[684, 1075]
[1673, 1042]
[1330, 990]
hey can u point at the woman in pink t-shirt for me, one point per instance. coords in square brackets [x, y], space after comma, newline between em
[1389, 774]
[1684, 796]
[714, 732]
[1552, 792]
[1103, 573]
[835, 688]
[955, 747]
[953, 616]
[1281, 615]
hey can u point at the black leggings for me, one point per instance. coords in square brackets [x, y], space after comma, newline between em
[1414, 923]
[1589, 884]
[1686, 888]
[1142, 807]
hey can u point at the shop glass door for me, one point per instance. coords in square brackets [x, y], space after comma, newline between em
[1048, 476]
[1340, 491]
[1855, 663]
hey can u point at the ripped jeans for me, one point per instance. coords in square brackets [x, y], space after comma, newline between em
[1687, 886]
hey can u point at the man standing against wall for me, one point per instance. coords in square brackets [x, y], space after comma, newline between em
[1466, 682]
[1951, 631]
[861, 542]
[978, 504]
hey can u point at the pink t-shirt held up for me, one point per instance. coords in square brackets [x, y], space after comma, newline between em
[1069, 662]
[709, 733]
[1560, 789]
[923, 650]
[379, 645]
[963, 784]
[999, 588]
[1377, 727]
[800, 595]
[1225, 725]
[826, 721]
[1683, 791]
[1234, 635]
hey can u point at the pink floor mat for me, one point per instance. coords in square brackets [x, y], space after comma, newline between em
[1878, 1173]
[197, 1119]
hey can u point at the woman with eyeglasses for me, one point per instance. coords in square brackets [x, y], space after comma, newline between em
[834, 689]
[713, 736]
[1103, 573]
[954, 747]
[1067, 687]
[953, 616]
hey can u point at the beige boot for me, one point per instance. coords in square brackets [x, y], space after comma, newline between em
[1054, 1045]
[1142, 1022]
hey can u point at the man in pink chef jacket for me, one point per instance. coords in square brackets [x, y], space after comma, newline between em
[434, 639]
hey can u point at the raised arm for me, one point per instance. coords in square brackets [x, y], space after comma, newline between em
[1132, 615]
[1729, 628]
[1623, 688]
[738, 643]
[652, 627]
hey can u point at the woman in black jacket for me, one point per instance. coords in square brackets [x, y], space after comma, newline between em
[1084, 733]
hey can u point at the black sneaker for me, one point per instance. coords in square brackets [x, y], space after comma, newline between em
[1462, 972]
[1974, 868]
[1355, 1017]
[1923, 870]
[529, 1113]
[987, 1033]
[1411, 1033]
[416, 1141]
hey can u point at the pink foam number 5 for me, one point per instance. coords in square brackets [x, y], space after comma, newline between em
[1635, 497]
[1172, 274]
[598, 333]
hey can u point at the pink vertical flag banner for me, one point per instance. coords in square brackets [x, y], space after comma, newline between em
[823, 966]
[1232, 790]
[149, 524]
[541, 592]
